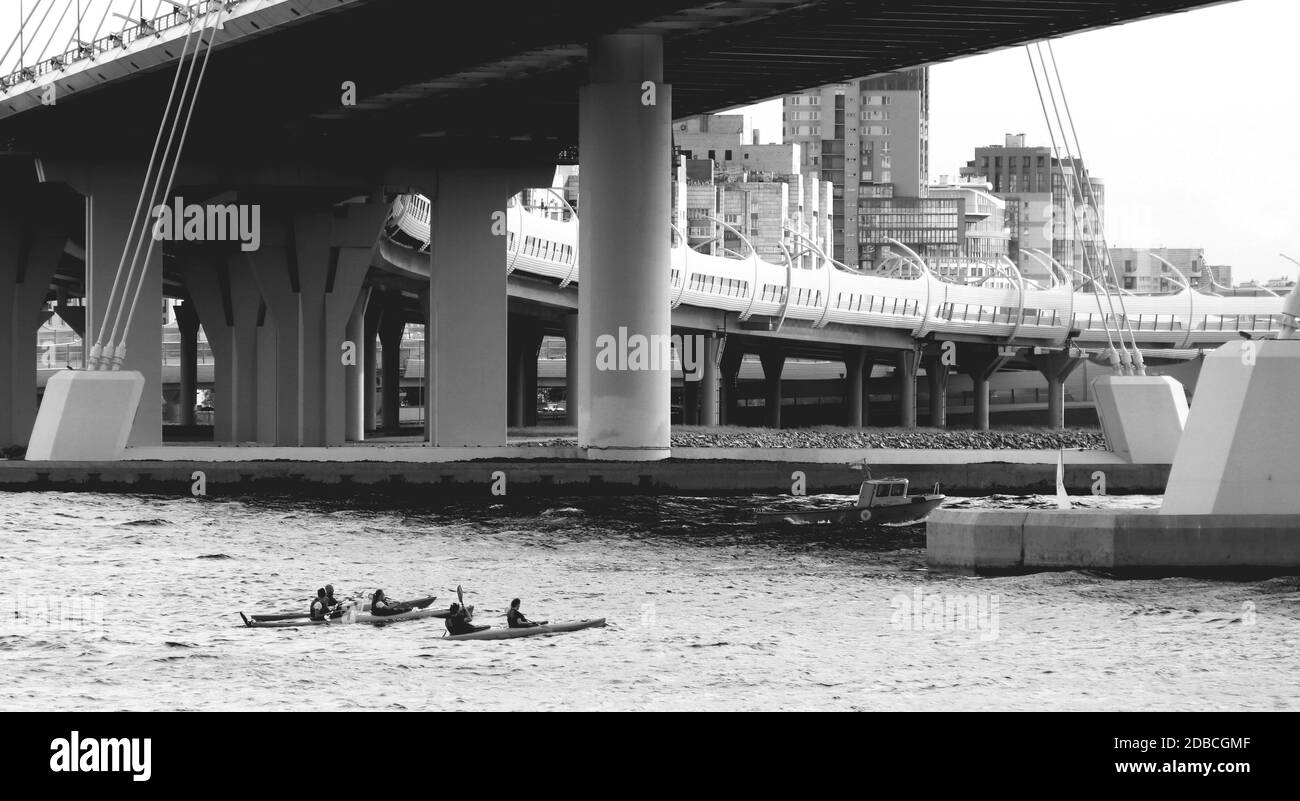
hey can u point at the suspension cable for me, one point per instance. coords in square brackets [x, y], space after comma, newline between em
[50, 39]
[22, 52]
[1051, 132]
[97, 348]
[171, 179]
[1092, 200]
[18, 37]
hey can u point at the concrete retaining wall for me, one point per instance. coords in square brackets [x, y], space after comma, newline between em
[474, 480]
[1137, 541]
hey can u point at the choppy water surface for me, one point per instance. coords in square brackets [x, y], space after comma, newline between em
[706, 611]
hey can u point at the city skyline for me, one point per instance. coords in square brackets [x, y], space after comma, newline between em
[1143, 121]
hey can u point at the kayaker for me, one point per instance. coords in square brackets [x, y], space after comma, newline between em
[380, 607]
[516, 620]
[334, 605]
[458, 622]
[319, 608]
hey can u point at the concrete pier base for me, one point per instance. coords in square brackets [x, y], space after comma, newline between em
[86, 416]
[1142, 416]
[1139, 542]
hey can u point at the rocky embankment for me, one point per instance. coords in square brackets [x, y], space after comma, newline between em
[917, 438]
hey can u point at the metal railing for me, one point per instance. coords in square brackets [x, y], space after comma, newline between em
[129, 34]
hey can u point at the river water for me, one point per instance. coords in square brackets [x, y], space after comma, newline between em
[129, 602]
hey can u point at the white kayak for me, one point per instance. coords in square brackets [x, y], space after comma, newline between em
[364, 617]
[531, 631]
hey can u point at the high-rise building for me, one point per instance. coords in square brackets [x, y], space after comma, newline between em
[869, 138]
[1053, 205]
[733, 187]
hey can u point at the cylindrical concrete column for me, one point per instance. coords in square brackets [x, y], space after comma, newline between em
[187, 321]
[1056, 403]
[625, 147]
[709, 383]
[854, 359]
[981, 402]
[773, 363]
[355, 373]
[936, 375]
[572, 359]
[370, 370]
[906, 371]
[390, 336]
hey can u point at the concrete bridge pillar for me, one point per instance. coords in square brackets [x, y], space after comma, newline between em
[187, 321]
[773, 359]
[111, 195]
[27, 264]
[733, 353]
[625, 147]
[855, 379]
[709, 383]
[936, 376]
[524, 342]
[572, 360]
[371, 405]
[228, 304]
[355, 423]
[905, 368]
[1056, 366]
[466, 395]
[310, 272]
[981, 364]
[391, 327]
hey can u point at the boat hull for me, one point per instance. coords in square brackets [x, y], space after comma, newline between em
[365, 617]
[510, 634]
[852, 515]
[419, 603]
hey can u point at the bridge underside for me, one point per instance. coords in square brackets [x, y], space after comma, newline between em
[465, 112]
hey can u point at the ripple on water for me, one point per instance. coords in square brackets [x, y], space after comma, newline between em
[706, 611]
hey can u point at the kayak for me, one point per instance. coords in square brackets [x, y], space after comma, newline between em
[532, 631]
[420, 603]
[362, 617]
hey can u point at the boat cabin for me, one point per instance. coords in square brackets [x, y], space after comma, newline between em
[876, 489]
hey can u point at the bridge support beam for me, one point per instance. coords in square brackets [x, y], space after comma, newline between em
[467, 383]
[732, 355]
[709, 384]
[187, 321]
[374, 312]
[905, 368]
[773, 359]
[936, 377]
[111, 197]
[981, 364]
[391, 327]
[572, 359]
[354, 399]
[1056, 366]
[310, 276]
[624, 145]
[855, 363]
[26, 266]
[228, 304]
[524, 342]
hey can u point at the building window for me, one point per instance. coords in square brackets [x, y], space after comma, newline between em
[727, 155]
[713, 155]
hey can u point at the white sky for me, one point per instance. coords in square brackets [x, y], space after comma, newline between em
[1191, 120]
